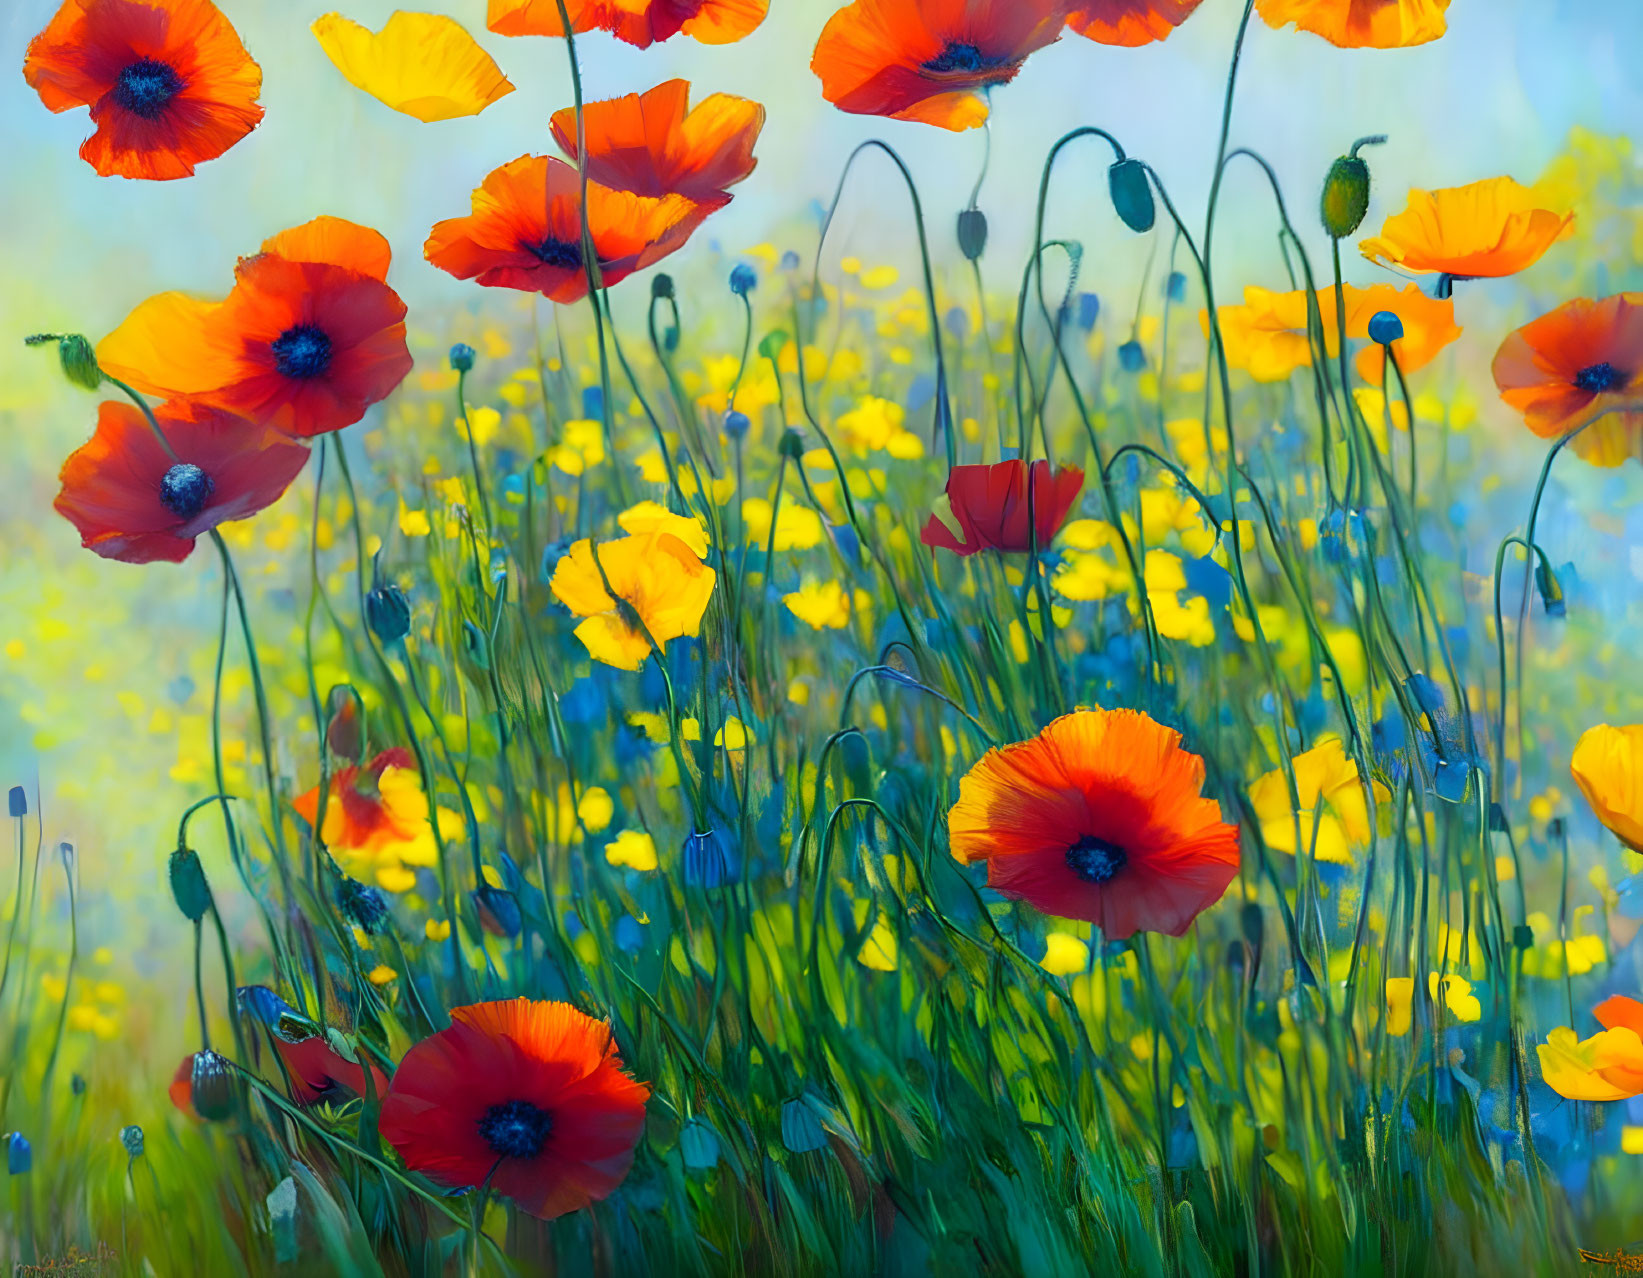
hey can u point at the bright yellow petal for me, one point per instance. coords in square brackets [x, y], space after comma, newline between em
[421, 64]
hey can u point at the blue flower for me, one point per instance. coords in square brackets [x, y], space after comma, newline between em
[736, 424]
[1089, 310]
[710, 860]
[462, 357]
[743, 279]
[1131, 357]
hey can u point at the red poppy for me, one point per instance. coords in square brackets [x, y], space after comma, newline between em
[930, 60]
[181, 1089]
[377, 824]
[647, 144]
[525, 231]
[1566, 368]
[317, 1071]
[308, 339]
[529, 1094]
[168, 82]
[134, 501]
[1101, 818]
[1129, 22]
[639, 22]
[990, 505]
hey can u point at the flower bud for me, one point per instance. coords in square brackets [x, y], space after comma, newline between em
[1385, 328]
[972, 233]
[362, 905]
[1132, 357]
[345, 735]
[188, 886]
[1346, 191]
[1550, 590]
[736, 424]
[661, 286]
[75, 356]
[19, 1154]
[211, 1086]
[792, 444]
[709, 860]
[387, 611]
[1132, 195]
[743, 279]
[790, 261]
[462, 357]
[131, 1136]
[17, 801]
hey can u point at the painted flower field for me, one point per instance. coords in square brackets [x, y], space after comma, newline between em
[841, 684]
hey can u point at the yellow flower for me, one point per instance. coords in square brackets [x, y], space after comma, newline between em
[1607, 1066]
[1400, 998]
[650, 516]
[582, 445]
[381, 974]
[658, 579]
[878, 951]
[437, 929]
[820, 605]
[1267, 335]
[421, 64]
[634, 849]
[1330, 792]
[1457, 995]
[1608, 767]
[1490, 228]
[1064, 954]
[797, 527]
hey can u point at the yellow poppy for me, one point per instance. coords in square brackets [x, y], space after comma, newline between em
[1605, 1067]
[1267, 335]
[1608, 767]
[1331, 797]
[1487, 229]
[820, 605]
[660, 582]
[420, 64]
[650, 516]
[634, 849]
[1361, 24]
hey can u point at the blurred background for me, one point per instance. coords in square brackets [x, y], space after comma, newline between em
[101, 663]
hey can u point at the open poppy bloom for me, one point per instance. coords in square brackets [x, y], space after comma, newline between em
[1607, 765]
[527, 1094]
[525, 230]
[168, 82]
[1333, 816]
[376, 821]
[1566, 368]
[990, 505]
[1486, 229]
[133, 501]
[660, 580]
[1100, 818]
[1129, 23]
[638, 22]
[308, 339]
[1605, 1067]
[1361, 24]
[1267, 336]
[930, 60]
[647, 144]
[421, 64]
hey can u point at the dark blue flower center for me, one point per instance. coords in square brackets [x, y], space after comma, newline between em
[1597, 378]
[1095, 860]
[557, 252]
[146, 88]
[302, 351]
[184, 490]
[959, 58]
[516, 1129]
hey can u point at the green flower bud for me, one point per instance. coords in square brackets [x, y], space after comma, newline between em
[1132, 195]
[211, 1084]
[972, 233]
[74, 353]
[188, 886]
[1346, 191]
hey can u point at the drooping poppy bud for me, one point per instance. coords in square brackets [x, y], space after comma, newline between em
[345, 735]
[972, 233]
[1550, 590]
[1132, 195]
[387, 611]
[1345, 199]
[75, 356]
[188, 886]
[211, 1086]
[661, 286]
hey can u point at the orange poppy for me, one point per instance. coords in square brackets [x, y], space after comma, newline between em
[930, 60]
[1361, 24]
[1101, 818]
[168, 82]
[1573, 363]
[527, 1095]
[1487, 229]
[647, 144]
[525, 231]
[133, 501]
[1129, 23]
[377, 824]
[639, 22]
[308, 339]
